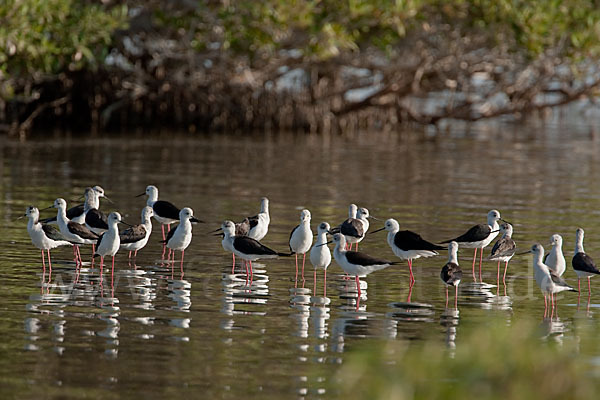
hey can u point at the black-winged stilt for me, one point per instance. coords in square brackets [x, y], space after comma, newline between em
[408, 245]
[555, 259]
[451, 273]
[320, 256]
[136, 237]
[583, 264]
[164, 212]
[478, 237]
[301, 239]
[44, 237]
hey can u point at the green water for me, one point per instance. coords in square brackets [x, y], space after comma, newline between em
[157, 332]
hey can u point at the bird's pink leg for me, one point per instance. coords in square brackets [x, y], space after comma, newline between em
[101, 267]
[412, 277]
[129, 256]
[162, 227]
[112, 272]
[446, 296]
[456, 297]
[545, 305]
[296, 255]
[504, 277]
[43, 262]
[498, 275]
[251, 272]
[358, 285]
[356, 249]
[303, 261]
[135, 254]
[182, 252]
[589, 286]
[325, 283]
[233, 264]
[315, 282]
[480, 260]
[410, 289]
[168, 227]
[474, 259]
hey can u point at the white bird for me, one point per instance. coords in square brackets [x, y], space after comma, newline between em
[245, 247]
[548, 280]
[504, 249]
[259, 223]
[43, 236]
[451, 273]
[164, 212]
[583, 264]
[555, 260]
[320, 256]
[109, 242]
[180, 237]
[408, 245]
[355, 229]
[94, 219]
[301, 239]
[77, 213]
[355, 263]
[73, 232]
[479, 236]
[136, 237]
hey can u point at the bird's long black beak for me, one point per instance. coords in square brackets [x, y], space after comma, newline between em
[125, 223]
[22, 216]
[196, 220]
[523, 252]
[219, 234]
[109, 200]
[372, 217]
[503, 220]
[497, 230]
[216, 230]
[141, 194]
[378, 230]
[44, 209]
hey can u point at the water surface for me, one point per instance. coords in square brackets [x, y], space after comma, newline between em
[160, 331]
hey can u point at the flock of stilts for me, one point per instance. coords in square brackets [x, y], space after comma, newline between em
[86, 224]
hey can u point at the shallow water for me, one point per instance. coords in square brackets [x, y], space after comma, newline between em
[161, 331]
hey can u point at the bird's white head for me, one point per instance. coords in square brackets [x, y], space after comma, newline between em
[579, 235]
[114, 218]
[493, 216]
[60, 204]
[452, 249]
[147, 212]
[556, 240]
[33, 213]
[506, 229]
[340, 240]
[186, 213]
[99, 190]
[152, 190]
[264, 204]
[305, 216]
[228, 228]
[537, 250]
[323, 227]
[391, 225]
[352, 210]
[362, 213]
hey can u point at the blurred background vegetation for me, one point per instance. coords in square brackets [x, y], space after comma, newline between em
[324, 65]
[491, 361]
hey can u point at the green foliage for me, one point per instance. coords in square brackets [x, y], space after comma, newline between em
[42, 37]
[327, 28]
[490, 362]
